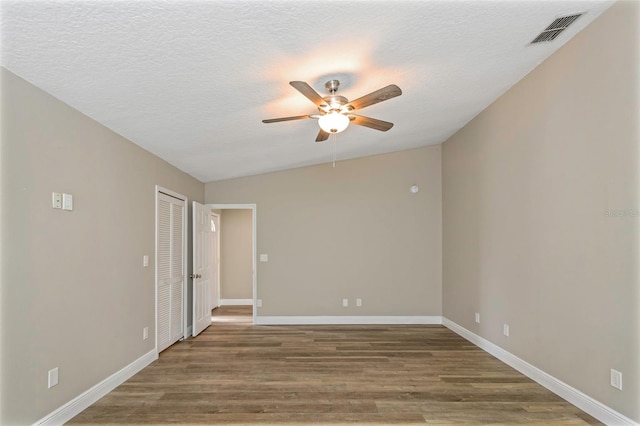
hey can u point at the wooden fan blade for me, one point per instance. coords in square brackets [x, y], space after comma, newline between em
[391, 91]
[308, 91]
[322, 136]
[276, 120]
[373, 123]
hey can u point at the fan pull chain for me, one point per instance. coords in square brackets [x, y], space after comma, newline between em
[334, 149]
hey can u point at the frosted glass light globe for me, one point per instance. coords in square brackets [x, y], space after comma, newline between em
[333, 122]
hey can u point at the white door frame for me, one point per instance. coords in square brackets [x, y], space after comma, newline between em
[254, 209]
[217, 243]
[158, 190]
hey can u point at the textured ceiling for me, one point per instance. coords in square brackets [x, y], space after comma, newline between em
[191, 81]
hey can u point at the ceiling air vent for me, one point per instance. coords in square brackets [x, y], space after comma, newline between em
[556, 27]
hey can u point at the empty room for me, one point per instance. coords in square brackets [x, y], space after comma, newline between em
[320, 212]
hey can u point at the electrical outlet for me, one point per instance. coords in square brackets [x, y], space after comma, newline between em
[53, 377]
[505, 330]
[616, 379]
[145, 333]
[259, 303]
[359, 303]
[477, 318]
[345, 303]
[264, 258]
[56, 200]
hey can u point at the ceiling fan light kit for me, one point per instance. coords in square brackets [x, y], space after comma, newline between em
[336, 112]
[333, 122]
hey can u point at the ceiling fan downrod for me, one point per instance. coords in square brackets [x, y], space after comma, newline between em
[332, 86]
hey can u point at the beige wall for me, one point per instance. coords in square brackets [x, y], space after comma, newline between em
[353, 231]
[74, 292]
[527, 238]
[236, 254]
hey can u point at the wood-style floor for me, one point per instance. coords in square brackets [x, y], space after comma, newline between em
[237, 373]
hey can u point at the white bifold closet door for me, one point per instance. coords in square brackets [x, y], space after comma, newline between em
[171, 269]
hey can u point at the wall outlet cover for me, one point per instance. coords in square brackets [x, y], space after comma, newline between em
[616, 379]
[53, 377]
[56, 200]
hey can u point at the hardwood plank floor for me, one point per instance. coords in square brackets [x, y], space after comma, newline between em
[237, 373]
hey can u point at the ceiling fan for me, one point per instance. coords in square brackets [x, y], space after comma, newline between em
[336, 111]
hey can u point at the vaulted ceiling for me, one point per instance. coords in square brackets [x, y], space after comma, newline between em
[190, 81]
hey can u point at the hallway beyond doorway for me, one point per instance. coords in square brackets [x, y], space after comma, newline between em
[232, 315]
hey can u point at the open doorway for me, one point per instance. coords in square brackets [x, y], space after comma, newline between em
[237, 282]
[236, 315]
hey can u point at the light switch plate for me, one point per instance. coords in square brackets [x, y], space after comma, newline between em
[67, 202]
[145, 261]
[264, 258]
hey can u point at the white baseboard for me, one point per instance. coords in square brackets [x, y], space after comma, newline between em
[591, 406]
[346, 320]
[84, 400]
[236, 302]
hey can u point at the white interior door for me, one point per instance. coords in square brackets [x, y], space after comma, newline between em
[215, 256]
[170, 265]
[202, 268]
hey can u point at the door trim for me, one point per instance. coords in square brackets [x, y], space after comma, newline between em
[254, 220]
[159, 189]
[218, 254]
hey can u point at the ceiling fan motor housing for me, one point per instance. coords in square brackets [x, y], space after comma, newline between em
[335, 102]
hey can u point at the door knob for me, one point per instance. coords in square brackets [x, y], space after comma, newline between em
[192, 276]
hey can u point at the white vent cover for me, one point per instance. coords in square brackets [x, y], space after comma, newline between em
[555, 28]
